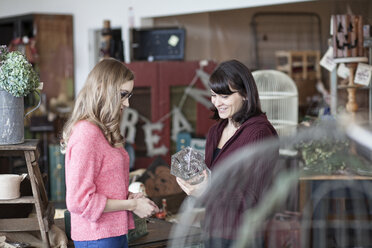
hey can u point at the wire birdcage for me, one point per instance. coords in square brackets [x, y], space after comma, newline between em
[279, 99]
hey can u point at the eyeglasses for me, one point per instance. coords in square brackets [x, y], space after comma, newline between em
[126, 94]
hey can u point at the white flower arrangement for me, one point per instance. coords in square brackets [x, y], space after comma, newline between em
[17, 76]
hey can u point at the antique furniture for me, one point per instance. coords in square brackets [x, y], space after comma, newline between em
[44, 210]
[351, 87]
[336, 208]
[303, 67]
[159, 86]
[159, 235]
[51, 39]
[349, 46]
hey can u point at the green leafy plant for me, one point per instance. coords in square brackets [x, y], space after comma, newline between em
[17, 76]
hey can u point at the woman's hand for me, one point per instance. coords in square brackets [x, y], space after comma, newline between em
[145, 207]
[136, 202]
[135, 195]
[194, 190]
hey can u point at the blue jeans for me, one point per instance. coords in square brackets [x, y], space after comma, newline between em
[113, 242]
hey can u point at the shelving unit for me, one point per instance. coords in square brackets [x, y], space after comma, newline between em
[334, 86]
[351, 87]
[303, 67]
[299, 64]
[44, 210]
[53, 60]
[349, 44]
[367, 43]
[54, 45]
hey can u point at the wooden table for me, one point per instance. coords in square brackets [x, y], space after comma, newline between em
[306, 187]
[44, 211]
[325, 201]
[158, 234]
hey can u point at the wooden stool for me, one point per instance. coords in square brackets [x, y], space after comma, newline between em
[44, 210]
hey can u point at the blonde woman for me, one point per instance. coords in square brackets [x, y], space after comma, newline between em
[97, 166]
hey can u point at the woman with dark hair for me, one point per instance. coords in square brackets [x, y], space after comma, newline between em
[237, 108]
[234, 77]
[241, 121]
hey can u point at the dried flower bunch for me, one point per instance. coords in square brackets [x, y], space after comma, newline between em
[17, 76]
[332, 157]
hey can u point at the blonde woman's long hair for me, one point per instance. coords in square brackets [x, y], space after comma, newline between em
[99, 101]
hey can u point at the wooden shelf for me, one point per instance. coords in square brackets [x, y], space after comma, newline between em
[360, 87]
[27, 145]
[303, 67]
[19, 224]
[23, 199]
[351, 60]
[54, 56]
[334, 81]
[334, 177]
[44, 210]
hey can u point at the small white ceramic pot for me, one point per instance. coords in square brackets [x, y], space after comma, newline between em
[10, 186]
[137, 187]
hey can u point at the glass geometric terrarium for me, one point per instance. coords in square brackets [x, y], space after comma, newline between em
[189, 165]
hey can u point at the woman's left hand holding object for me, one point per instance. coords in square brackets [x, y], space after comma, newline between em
[194, 190]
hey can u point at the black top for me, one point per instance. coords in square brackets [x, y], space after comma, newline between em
[216, 152]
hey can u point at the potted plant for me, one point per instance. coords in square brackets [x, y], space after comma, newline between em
[17, 79]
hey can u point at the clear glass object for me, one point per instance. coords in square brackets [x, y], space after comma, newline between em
[189, 165]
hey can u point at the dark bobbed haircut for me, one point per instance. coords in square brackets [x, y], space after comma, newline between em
[235, 75]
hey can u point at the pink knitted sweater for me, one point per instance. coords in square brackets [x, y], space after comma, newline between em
[95, 171]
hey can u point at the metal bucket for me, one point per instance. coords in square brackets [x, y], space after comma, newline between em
[11, 118]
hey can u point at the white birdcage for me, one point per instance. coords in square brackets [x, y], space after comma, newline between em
[279, 99]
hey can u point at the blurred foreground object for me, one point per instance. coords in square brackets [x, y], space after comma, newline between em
[331, 208]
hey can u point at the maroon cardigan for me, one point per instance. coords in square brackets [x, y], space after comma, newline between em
[252, 130]
[248, 192]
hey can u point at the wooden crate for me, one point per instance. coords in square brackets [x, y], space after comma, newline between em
[299, 64]
[303, 67]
